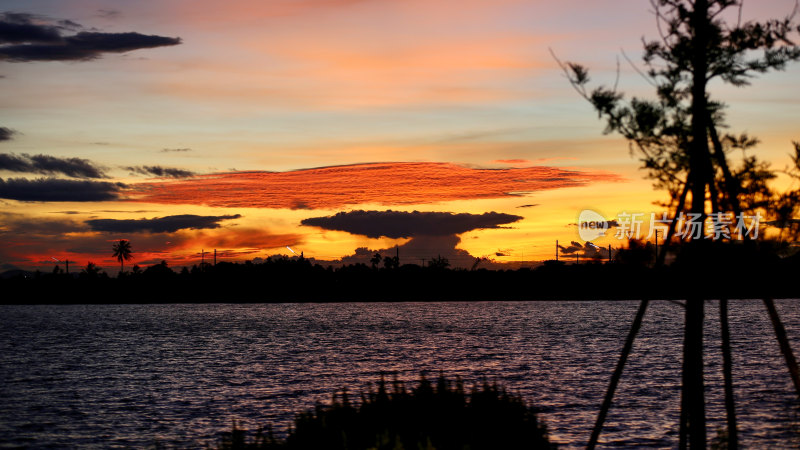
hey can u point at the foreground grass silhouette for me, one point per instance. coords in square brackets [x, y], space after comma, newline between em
[439, 416]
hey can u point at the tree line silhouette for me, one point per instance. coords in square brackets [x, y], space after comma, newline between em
[757, 268]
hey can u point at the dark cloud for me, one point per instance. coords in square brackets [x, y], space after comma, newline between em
[572, 248]
[399, 224]
[528, 206]
[159, 171]
[50, 165]
[58, 190]
[6, 134]
[69, 25]
[168, 150]
[32, 38]
[168, 224]
[419, 250]
[18, 28]
[586, 251]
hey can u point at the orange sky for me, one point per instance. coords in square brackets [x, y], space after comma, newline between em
[290, 110]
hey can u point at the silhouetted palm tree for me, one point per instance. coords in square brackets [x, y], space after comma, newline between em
[375, 260]
[122, 251]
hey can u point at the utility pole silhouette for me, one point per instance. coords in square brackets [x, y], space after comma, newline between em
[556, 249]
[215, 257]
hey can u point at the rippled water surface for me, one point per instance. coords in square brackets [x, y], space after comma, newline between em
[133, 375]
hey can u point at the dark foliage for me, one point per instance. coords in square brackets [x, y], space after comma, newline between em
[678, 133]
[735, 270]
[431, 416]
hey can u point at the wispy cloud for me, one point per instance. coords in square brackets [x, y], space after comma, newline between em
[511, 161]
[176, 150]
[159, 171]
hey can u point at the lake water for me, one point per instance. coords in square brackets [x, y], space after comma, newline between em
[108, 376]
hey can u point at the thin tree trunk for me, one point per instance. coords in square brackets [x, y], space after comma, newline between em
[671, 231]
[693, 389]
[612, 386]
[780, 334]
[699, 170]
[731, 186]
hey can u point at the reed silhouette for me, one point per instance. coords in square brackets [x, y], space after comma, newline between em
[440, 415]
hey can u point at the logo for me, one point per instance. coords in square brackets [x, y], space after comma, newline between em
[591, 225]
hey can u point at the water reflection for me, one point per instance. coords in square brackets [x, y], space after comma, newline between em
[129, 375]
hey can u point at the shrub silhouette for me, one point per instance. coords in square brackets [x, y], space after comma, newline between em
[437, 416]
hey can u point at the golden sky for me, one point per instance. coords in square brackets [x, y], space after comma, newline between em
[227, 124]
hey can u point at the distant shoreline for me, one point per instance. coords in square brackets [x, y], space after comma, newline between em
[298, 281]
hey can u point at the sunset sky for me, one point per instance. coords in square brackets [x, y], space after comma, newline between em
[250, 126]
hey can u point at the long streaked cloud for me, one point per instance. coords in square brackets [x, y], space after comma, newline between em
[50, 165]
[167, 224]
[159, 171]
[29, 37]
[59, 190]
[401, 224]
[378, 183]
[177, 150]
